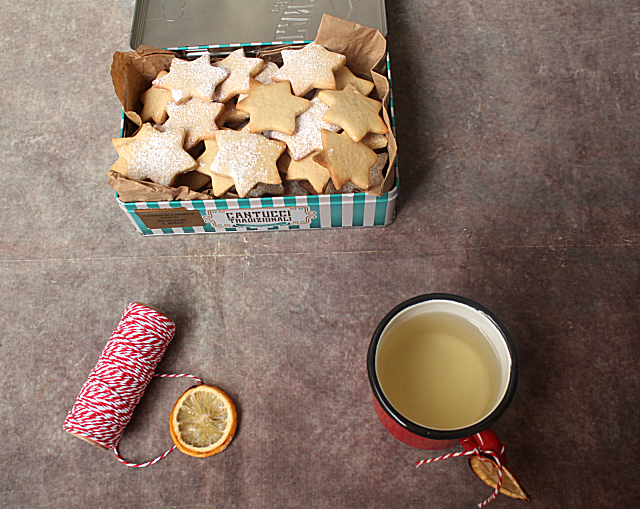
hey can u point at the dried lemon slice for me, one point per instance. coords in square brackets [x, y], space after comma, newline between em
[487, 470]
[203, 421]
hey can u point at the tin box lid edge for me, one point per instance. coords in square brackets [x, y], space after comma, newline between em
[194, 23]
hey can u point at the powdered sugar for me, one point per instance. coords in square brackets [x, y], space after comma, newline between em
[248, 159]
[240, 69]
[157, 156]
[196, 117]
[310, 67]
[192, 78]
[307, 137]
[265, 76]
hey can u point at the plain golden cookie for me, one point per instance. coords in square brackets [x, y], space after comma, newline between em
[376, 177]
[375, 140]
[346, 160]
[154, 103]
[121, 165]
[355, 113]
[344, 76]
[272, 107]
[305, 169]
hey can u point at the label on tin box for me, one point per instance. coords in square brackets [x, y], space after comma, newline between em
[283, 216]
[169, 218]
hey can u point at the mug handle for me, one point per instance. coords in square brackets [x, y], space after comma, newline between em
[486, 440]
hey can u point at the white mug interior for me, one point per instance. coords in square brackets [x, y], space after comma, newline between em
[460, 317]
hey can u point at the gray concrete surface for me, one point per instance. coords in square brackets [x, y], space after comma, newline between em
[518, 134]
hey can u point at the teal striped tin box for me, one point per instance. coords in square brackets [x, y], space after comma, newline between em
[261, 214]
[266, 213]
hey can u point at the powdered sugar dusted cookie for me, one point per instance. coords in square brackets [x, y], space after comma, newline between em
[355, 113]
[197, 78]
[265, 76]
[310, 67]
[272, 107]
[196, 117]
[248, 159]
[157, 156]
[154, 103]
[240, 69]
[307, 136]
[346, 160]
[344, 76]
[219, 184]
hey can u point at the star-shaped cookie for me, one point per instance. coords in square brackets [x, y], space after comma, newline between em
[240, 69]
[248, 159]
[272, 107]
[197, 78]
[344, 76]
[310, 67]
[157, 156]
[154, 103]
[121, 165]
[231, 116]
[196, 117]
[376, 177]
[307, 138]
[355, 113]
[305, 169]
[375, 140]
[219, 184]
[346, 160]
[265, 76]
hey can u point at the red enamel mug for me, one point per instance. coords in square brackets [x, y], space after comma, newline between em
[442, 369]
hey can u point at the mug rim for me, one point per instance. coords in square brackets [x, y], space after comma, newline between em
[423, 430]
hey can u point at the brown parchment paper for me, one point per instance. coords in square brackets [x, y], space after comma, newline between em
[130, 190]
[132, 73]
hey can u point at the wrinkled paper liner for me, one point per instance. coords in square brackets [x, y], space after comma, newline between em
[132, 73]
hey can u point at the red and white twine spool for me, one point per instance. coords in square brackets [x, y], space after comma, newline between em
[115, 386]
[474, 452]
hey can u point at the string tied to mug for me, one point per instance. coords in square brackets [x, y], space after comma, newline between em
[474, 452]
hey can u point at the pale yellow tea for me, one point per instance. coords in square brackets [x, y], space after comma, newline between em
[438, 370]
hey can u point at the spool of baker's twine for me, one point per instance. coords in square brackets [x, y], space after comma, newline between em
[115, 386]
[479, 453]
